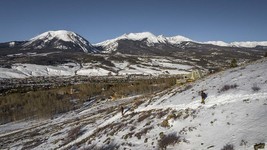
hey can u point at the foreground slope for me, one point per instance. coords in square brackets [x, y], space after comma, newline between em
[234, 115]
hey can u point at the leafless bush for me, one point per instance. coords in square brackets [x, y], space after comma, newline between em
[228, 147]
[73, 134]
[170, 139]
[128, 135]
[143, 116]
[165, 123]
[143, 132]
[259, 146]
[111, 146]
[162, 113]
[137, 103]
[255, 88]
[228, 87]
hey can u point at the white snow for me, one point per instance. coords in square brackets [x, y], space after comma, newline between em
[63, 35]
[28, 70]
[153, 67]
[236, 117]
[60, 34]
[227, 117]
[218, 43]
[112, 44]
[93, 72]
[177, 39]
[249, 44]
[11, 44]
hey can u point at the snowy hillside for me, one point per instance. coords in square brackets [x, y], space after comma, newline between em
[60, 39]
[234, 116]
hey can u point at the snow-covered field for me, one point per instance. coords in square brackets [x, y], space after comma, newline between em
[234, 115]
[156, 67]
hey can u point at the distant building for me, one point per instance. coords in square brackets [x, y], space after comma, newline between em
[195, 74]
[190, 77]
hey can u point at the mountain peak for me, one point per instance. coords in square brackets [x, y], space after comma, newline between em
[151, 39]
[60, 39]
[177, 39]
[59, 34]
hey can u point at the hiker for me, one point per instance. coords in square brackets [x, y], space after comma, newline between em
[203, 97]
[122, 109]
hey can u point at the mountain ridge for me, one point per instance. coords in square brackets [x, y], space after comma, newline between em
[68, 40]
[59, 39]
[151, 39]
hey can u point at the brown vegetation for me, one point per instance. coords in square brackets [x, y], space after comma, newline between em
[47, 103]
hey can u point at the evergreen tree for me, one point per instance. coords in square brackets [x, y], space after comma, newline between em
[233, 63]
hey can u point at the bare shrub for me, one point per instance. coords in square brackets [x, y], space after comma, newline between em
[165, 123]
[162, 113]
[228, 87]
[143, 132]
[243, 143]
[110, 146]
[129, 135]
[171, 116]
[73, 134]
[143, 116]
[137, 103]
[170, 139]
[228, 147]
[255, 88]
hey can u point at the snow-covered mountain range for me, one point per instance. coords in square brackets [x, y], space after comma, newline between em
[248, 44]
[67, 40]
[151, 39]
[61, 39]
[57, 48]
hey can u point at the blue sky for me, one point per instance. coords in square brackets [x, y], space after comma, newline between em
[99, 20]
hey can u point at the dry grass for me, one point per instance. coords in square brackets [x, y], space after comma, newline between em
[165, 123]
[170, 139]
[143, 132]
[73, 134]
[144, 116]
[162, 113]
[129, 135]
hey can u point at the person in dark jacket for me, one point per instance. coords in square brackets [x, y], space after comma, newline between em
[203, 97]
[122, 110]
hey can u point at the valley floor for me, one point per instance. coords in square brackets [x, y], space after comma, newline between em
[234, 116]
